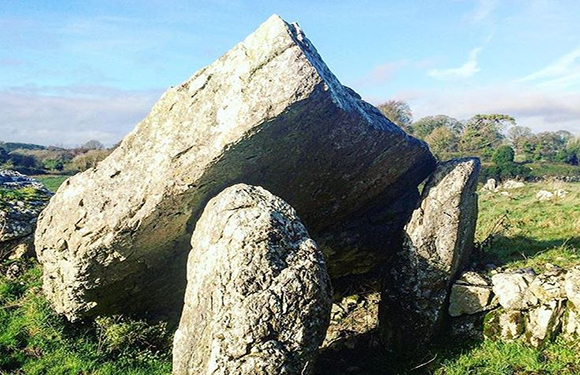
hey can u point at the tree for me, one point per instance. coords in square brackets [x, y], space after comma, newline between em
[54, 164]
[425, 126]
[551, 146]
[503, 155]
[93, 145]
[88, 160]
[442, 141]
[517, 137]
[399, 113]
[483, 134]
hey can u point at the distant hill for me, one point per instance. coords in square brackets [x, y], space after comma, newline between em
[11, 146]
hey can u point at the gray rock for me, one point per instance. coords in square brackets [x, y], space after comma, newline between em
[572, 286]
[571, 324]
[19, 248]
[474, 278]
[546, 287]
[470, 299]
[437, 245]
[258, 294]
[511, 289]
[504, 325]
[270, 113]
[21, 201]
[512, 184]
[490, 185]
[544, 322]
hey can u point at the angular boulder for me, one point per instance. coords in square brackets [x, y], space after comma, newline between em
[504, 325]
[437, 244]
[269, 112]
[512, 289]
[470, 299]
[544, 322]
[258, 294]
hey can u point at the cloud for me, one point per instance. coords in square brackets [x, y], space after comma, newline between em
[561, 73]
[71, 115]
[464, 71]
[483, 10]
[380, 74]
[539, 109]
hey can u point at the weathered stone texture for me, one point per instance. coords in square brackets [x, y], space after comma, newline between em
[258, 294]
[21, 201]
[270, 113]
[437, 245]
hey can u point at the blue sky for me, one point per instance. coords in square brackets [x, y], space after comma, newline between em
[71, 71]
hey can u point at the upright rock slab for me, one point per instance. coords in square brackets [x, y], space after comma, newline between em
[437, 244]
[258, 294]
[269, 112]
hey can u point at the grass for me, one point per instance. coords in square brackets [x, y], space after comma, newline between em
[503, 358]
[545, 169]
[52, 182]
[533, 233]
[34, 340]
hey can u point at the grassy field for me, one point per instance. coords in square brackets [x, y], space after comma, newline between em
[33, 340]
[527, 233]
[52, 182]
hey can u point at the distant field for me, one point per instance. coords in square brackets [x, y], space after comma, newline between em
[532, 232]
[52, 182]
[540, 170]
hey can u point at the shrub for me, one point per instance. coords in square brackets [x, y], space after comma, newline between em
[503, 155]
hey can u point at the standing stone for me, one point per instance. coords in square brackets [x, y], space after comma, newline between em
[269, 112]
[258, 294]
[437, 245]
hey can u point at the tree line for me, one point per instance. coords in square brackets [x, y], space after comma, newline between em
[483, 134]
[36, 159]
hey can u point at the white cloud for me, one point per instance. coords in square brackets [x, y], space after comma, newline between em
[483, 10]
[539, 109]
[464, 71]
[72, 115]
[562, 73]
[380, 74]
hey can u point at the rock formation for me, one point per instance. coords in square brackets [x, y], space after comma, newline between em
[258, 294]
[437, 244]
[269, 112]
[471, 294]
[524, 305]
[21, 201]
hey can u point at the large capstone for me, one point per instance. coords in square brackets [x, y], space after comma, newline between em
[258, 294]
[437, 244]
[114, 239]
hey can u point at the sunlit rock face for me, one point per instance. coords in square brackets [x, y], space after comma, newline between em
[437, 245]
[269, 112]
[258, 294]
